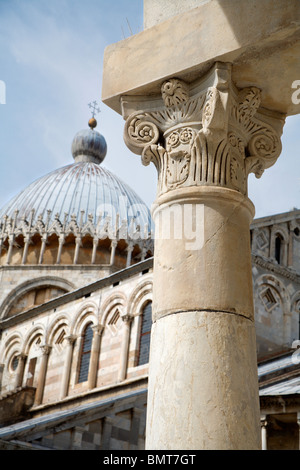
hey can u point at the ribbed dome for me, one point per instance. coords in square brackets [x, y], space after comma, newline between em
[78, 214]
[79, 189]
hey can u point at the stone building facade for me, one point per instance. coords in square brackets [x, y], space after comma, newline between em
[75, 318]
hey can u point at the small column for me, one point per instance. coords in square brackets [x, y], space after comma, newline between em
[129, 253]
[61, 242]
[43, 247]
[11, 241]
[42, 374]
[77, 247]
[67, 368]
[94, 360]
[20, 371]
[124, 347]
[263, 424]
[25, 250]
[113, 251]
[95, 245]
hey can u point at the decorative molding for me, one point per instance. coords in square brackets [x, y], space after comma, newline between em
[275, 268]
[12, 227]
[204, 133]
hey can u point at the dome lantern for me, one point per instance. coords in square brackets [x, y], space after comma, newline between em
[89, 145]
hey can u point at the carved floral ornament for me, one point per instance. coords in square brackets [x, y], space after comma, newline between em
[207, 133]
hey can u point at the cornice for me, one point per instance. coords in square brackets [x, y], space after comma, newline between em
[275, 268]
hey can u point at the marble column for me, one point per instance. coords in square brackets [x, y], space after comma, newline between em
[124, 347]
[113, 251]
[264, 424]
[129, 253]
[25, 250]
[42, 374]
[92, 378]
[94, 252]
[77, 247]
[204, 138]
[20, 370]
[43, 247]
[61, 242]
[11, 241]
[67, 367]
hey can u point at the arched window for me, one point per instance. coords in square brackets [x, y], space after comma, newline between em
[278, 248]
[144, 348]
[85, 354]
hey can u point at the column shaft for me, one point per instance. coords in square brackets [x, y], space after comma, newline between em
[203, 336]
[42, 375]
[43, 247]
[20, 371]
[124, 347]
[67, 367]
[25, 251]
[92, 378]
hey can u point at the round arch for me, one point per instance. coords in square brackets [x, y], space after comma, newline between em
[32, 285]
[87, 313]
[57, 323]
[115, 300]
[139, 297]
[12, 343]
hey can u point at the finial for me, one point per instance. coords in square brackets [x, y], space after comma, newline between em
[95, 109]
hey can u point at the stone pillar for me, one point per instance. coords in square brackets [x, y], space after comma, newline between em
[204, 139]
[129, 253]
[124, 347]
[61, 242]
[42, 374]
[264, 424]
[113, 251]
[43, 247]
[25, 250]
[77, 247]
[92, 378]
[95, 245]
[11, 241]
[20, 371]
[67, 368]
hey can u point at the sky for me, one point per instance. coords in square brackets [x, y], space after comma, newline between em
[51, 64]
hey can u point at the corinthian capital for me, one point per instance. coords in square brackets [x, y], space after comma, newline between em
[204, 133]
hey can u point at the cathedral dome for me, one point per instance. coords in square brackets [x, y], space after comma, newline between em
[82, 199]
[83, 190]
